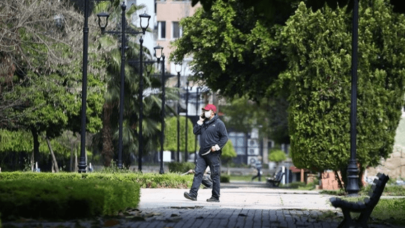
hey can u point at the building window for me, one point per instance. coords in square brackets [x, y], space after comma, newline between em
[238, 142]
[162, 30]
[177, 31]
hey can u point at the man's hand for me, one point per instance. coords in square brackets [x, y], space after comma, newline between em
[200, 121]
[215, 148]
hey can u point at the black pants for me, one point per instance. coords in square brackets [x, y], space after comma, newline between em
[259, 175]
[213, 160]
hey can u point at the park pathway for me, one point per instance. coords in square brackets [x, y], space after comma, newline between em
[243, 205]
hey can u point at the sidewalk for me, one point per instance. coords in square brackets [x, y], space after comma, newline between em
[247, 198]
[243, 204]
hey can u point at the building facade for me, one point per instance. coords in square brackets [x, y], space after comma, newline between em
[167, 28]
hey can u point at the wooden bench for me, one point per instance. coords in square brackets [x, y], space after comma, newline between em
[275, 182]
[364, 208]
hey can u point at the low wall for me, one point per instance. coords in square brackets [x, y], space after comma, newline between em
[328, 181]
[394, 166]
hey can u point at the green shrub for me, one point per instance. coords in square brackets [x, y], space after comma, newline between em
[225, 178]
[113, 168]
[317, 46]
[277, 156]
[147, 180]
[180, 167]
[65, 198]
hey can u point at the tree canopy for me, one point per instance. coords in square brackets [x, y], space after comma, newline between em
[235, 50]
[276, 9]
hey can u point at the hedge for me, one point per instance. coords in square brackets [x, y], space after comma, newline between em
[149, 180]
[181, 167]
[225, 178]
[65, 198]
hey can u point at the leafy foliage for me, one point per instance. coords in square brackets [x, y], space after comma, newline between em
[236, 51]
[170, 142]
[228, 151]
[317, 46]
[181, 167]
[279, 10]
[277, 156]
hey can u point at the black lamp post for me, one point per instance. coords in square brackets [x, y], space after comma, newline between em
[196, 113]
[103, 22]
[352, 170]
[178, 69]
[159, 55]
[186, 147]
[82, 163]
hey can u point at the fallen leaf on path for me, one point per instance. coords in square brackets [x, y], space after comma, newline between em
[109, 223]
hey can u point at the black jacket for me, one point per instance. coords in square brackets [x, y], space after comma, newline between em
[212, 132]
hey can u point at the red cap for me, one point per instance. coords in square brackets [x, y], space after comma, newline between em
[210, 107]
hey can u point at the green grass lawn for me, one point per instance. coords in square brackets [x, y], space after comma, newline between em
[387, 210]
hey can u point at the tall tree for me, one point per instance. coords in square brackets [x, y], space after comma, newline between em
[318, 46]
[43, 93]
[240, 56]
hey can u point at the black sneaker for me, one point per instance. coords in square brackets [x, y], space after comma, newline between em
[190, 197]
[213, 199]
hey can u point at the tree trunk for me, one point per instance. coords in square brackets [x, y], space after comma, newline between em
[76, 162]
[340, 181]
[108, 149]
[54, 162]
[32, 161]
[71, 159]
[36, 146]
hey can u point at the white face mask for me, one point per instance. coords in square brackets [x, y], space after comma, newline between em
[207, 114]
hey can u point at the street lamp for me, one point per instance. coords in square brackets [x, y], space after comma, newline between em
[159, 55]
[82, 163]
[103, 22]
[186, 148]
[178, 69]
[59, 20]
[352, 170]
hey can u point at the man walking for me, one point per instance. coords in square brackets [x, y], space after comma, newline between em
[213, 137]
[258, 167]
